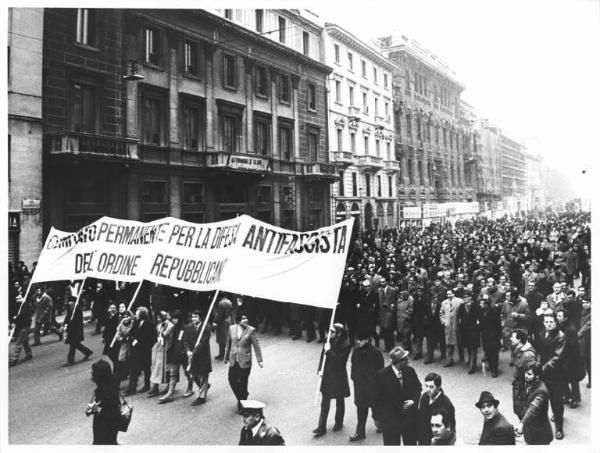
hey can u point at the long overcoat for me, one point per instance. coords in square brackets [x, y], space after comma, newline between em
[201, 360]
[74, 326]
[159, 352]
[366, 363]
[469, 318]
[449, 318]
[334, 383]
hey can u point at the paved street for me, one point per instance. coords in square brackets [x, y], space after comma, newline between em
[47, 401]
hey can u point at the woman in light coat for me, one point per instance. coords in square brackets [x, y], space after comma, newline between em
[122, 342]
[158, 373]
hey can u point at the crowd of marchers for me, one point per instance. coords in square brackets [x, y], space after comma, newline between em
[515, 284]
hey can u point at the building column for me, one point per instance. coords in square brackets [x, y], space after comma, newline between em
[274, 105]
[249, 70]
[175, 208]
[173, 93]
[295, 84]
[211, 105]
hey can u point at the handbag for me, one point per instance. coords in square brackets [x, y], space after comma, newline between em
[126, 410]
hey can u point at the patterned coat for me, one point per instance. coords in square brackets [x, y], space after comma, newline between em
[159, 352]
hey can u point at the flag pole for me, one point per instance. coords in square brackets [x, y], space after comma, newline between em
[327, 345]
[78, 297]
[212, 304]
[112, 343]
[12, 332]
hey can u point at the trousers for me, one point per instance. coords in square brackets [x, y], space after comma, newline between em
[238, 381]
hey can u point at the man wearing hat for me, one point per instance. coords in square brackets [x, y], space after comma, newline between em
[397, 392]
[256, 430]
[496, 429]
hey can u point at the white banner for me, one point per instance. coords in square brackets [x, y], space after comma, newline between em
[241, 255]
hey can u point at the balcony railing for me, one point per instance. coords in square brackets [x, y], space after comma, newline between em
[320, 170]
[391, 166]
[372, 162]
[343, 157]
[75, 143]
[237, 161]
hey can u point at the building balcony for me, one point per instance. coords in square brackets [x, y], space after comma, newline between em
[320, 170]
[343, 158]
[391, 166]
[79, 144]
[238, 161]
[369, 162]
[353, 110]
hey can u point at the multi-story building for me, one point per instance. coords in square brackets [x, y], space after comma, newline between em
[433, 143]
[25, 28]
[196, 114]
[361, 131]
[535, 199]
[514, 174]
[488, 167]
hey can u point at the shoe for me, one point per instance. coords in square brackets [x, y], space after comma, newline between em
[13, 363]
[27, 357]
[60, 337]
[218, 357]
[187, 393]
[356, 437]
[37, 343]
[153, 392]
[428, 361]
[319, 432]
[163, 400]
[589, 385]
[574, 404]
[145, 388]
[494, 374]
[87, 356]
[511, 363]
[308, 340]
[321, 340]
[449, 364]
[129, 392]
[559, 434]
[417, 356]
[472, 371]
[337, 427]
[295, 337]
[68, 364]
[198, 401]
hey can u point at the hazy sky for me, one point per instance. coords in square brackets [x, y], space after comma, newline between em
[531, 67]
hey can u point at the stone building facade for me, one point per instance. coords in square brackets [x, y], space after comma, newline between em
[433, 144]
[226, 113]
[361, 131]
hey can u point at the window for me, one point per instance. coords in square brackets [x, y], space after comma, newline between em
[259, 15]
[353, 142]
[340, 141]
[388, 150]
[230, 133]
[378, 185]
[83, 107]
[363, 65]
[389, 186]
[313, 145]
[305, 43]
[409, 166]
[312, 97]
[262, 81]
[351, 96]
[341, 184]
[264, 194]
[376, 106]
[386, 109]
[154, 191]
[286, 142]
[336, 53]
[86, 26]
[193, 192]
[262, 142]
[420, 172]
[338, 91]
[350, 62]
[378, 148]
[192, 128]
[229, 14]
[229, 71]
[153, 121]
[375, 75]
[365, 105]
[282, 30]
[354, 185]
[152, 47]
[368, 184]
[191, 57]
[385, 80]
[284, 88]
[366, 145]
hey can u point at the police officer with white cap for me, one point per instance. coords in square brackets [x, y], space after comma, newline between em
[256, 430]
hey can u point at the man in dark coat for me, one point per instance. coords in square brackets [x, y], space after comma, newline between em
[434, 330]
[584, 336]
[552, 357]
[256, 430]
[491, 331]
[199, 362]
[573, 364]
[110, 329]
[397, 392]
[469, 314]
[99, 306]
[419, 308]
[142, 336]
[43, 307]
[73, 325]
[433, 399]
[334, 378]
[387, 315]
[534, 422]
[368, 303]
[496, 429]
[366, 363]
